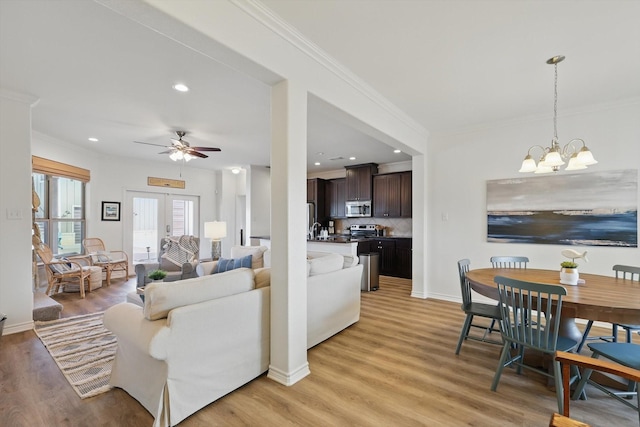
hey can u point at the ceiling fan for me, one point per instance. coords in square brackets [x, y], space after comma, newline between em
[181, 149]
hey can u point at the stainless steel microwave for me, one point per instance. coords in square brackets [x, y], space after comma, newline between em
[359, 208]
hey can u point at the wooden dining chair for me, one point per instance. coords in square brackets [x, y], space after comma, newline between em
[62, 271]
[520, 302]
[109, 261]
[624, 361]
[509, 261]
[625, 272]
[473, 309]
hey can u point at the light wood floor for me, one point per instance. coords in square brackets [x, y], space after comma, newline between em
[395, 367]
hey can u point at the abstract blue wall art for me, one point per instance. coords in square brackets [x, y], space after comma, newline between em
[586, 209]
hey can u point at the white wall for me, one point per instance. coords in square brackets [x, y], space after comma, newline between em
[16, 298]
[458, 175]
[112, 176]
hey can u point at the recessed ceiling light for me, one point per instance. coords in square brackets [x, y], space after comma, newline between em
[320, 153]
[352, 158]
[92, 139]
[235, 171]
[181, 87]
[397, 151]
[317, 163]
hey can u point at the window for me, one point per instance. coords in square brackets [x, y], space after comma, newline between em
[61, 214]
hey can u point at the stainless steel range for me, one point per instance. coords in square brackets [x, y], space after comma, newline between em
[363, 230]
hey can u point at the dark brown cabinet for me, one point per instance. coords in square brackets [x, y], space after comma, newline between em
[404, 258]
[392, 195]
[316, 194]
[387, 250]
[359, 181]
[405, 194]
[336, 193]
[386, 196]
[394, 255]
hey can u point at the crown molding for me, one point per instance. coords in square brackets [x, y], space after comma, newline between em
[19, 97]
[262, 14]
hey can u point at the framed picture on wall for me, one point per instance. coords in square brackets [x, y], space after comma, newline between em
[111, 211]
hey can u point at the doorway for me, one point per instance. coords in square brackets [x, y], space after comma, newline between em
[151, 216]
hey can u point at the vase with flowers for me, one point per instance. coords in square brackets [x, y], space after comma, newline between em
[569, 273]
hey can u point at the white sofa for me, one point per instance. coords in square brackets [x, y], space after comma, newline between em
[198, 339]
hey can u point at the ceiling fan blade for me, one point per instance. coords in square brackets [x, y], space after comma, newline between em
[167, 152]
[197, 154]
[206, 148]
[148, 143]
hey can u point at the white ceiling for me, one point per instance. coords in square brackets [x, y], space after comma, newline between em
[450, 65]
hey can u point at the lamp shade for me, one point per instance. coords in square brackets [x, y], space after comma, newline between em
[528, 165]
[575, 164]
[215, 230]
[553, 158]
[585, 157]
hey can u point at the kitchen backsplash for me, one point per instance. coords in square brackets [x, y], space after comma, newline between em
[398, 227]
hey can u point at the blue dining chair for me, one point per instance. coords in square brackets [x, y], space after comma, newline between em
[625, 354]
[625, 272]
[473, 309]
[530, 320]
[509, 261]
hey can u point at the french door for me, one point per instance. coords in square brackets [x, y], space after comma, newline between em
[151, 216]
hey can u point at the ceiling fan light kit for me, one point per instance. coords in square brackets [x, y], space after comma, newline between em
[554, 156]
[181, 149]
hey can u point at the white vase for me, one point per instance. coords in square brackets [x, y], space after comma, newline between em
[569, 276]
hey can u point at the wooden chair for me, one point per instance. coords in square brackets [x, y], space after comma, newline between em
[625, 272]
[109, 261]
[520, 302]
[509, 261]
[61, 271]
[627, 353]
[473, 309]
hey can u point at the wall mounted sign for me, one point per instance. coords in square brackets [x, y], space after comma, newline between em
[586, 209]
[163, 182]
[111, 211]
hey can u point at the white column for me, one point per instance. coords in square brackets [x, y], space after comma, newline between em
[16, 284]
[419, 224]
[288, 238]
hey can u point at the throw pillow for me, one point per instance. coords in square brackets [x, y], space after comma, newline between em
[231, 264]
[63, 267]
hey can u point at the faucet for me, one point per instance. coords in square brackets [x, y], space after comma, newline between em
[312, 230]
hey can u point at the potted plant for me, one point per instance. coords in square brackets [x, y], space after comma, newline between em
[157, 275]
[569, 273]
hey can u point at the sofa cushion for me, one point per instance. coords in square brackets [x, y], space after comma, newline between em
[161, 298]
[225, 264]
[323, 262]
[206, 268]
[257, 252]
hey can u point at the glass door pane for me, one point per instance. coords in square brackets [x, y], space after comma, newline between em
[145, 233]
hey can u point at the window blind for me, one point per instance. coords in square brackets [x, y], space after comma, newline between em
[51, 167]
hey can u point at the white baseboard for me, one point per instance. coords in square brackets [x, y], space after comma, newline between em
[288, 379]
[17, 327]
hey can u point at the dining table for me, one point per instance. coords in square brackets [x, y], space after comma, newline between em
[598, 298]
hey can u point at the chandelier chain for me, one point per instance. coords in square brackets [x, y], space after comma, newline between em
[555, 103]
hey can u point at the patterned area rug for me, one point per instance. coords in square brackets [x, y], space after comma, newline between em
[83, 350]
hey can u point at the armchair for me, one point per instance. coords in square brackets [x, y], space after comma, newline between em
[109, 261]
[178, 257]
[62, 271]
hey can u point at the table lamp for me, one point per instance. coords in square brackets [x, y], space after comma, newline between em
[215, 231]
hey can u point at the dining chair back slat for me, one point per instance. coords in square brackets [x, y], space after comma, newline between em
[509, 261]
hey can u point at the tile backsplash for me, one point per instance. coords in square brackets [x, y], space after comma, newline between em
[399, 227]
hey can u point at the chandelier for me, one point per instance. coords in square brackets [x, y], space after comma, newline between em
[554, 156]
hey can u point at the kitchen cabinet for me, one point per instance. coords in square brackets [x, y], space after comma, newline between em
[395, 254]
[404, 253]
[359, 181]
[387, 250]
[392, 195]
[386, 196]
[405, 194]
[316, 189]
[336, 193]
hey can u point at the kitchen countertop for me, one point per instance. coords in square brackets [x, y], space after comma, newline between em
[340, 238]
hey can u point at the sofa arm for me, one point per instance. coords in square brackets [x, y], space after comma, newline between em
[189, 270]
[128, 324]
[141, 273]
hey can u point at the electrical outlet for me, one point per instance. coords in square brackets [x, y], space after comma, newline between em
[14, 213]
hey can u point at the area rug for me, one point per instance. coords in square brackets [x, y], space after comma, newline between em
[83, 349]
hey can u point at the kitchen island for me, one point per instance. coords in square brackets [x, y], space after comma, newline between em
[343, 245]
